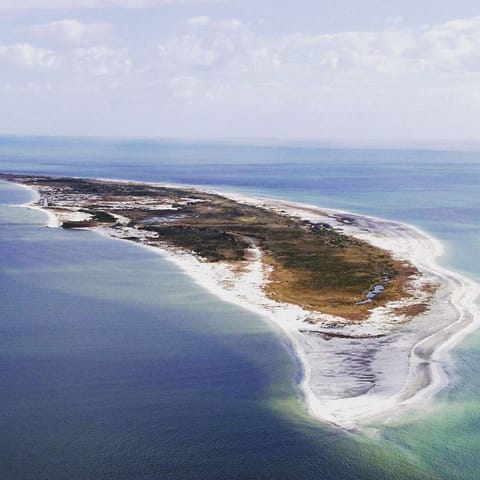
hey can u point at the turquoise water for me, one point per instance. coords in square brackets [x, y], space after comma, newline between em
[113, 364]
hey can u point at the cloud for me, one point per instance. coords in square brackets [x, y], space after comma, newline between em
[236, 53]
[204, 21]
[452, 46]
[199, 22]
[74, 32]
[71, 65]
[398, 79]
[229, 44]
[100, 61]
[209, 45]
[28, 56]
[28, 5]
[309, 84]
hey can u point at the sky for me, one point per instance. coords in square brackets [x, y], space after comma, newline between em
[347, 71]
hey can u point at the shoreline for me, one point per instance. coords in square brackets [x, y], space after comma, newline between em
[53, 221]
[424, 350]
[423, 381]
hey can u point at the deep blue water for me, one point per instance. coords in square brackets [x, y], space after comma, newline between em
[114, 365]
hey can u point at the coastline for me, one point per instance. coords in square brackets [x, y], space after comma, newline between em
[414, 352]
[428, 356]
[53, 221]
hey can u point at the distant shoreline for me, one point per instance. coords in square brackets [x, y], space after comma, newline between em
[343, 384]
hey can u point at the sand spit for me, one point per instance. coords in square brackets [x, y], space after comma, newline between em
[353, 374]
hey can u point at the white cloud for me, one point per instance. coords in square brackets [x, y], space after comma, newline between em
[74, 32]
[399, 79]
[452, 46]
[100, 61]
[27, 5]
[315, 84]
[219, 44]
[204, 21]
[215, 50]
[71, 65]
[198, 22]
[28, 56]
[209, 45]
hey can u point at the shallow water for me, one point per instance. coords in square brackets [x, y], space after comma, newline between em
[114, 365]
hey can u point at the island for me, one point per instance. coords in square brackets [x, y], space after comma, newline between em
[361, 299]
[311, 264]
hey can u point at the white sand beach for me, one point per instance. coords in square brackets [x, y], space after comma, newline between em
[53, 220]
[353, 374]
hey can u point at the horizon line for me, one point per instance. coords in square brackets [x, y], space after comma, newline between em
[432, 145]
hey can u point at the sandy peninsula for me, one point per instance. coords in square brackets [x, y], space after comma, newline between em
[382, 349]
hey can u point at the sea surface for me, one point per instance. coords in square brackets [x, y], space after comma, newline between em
[115, 365]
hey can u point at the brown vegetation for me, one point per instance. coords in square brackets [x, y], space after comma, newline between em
[411, 311]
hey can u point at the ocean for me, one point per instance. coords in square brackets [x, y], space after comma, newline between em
[115, 365]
